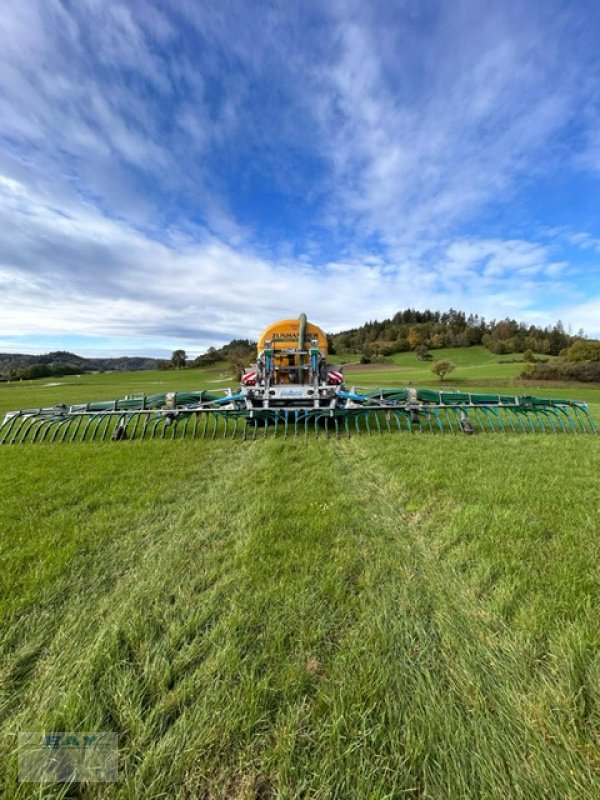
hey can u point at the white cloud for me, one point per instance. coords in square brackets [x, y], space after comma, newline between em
[74, 271]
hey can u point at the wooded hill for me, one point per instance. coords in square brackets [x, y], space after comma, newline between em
[436, 329]
[61, 362]
[410, 329]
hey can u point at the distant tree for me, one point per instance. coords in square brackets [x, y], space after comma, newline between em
[529, 356]
[559, 340]
[207, 359]
[330, 345]
[414, 337]
[422, 352]
[442, 368]
[36, 371]
[178, 359]
[164, 364]
[368, 352]
[238, 361]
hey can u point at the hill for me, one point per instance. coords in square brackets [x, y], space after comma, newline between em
[410, 329]
[61, 362]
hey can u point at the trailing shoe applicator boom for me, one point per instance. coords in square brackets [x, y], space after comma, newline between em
[291, 389]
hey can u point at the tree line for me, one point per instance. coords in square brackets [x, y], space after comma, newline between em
[59, 363]
[238, 353]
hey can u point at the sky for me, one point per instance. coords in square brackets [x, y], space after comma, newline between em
[175, 175]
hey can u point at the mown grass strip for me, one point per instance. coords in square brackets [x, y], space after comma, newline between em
[383, 617]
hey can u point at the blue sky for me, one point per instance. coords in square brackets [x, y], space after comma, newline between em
[179, 174]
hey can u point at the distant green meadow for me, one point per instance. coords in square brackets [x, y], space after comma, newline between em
[406, 616]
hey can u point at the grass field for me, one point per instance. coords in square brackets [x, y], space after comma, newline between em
[408, 616]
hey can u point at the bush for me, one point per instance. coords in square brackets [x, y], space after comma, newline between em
[582, 350]
[237, 363]
[205, 360]
[586, 372]
[364, 359]
[35, 371]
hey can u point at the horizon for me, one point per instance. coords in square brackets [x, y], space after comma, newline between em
[190, 355]
[174, 178]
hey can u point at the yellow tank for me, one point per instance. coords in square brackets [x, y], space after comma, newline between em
[285, 339]
[285, 334]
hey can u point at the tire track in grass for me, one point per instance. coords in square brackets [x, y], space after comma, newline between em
[292, 602]
[460, 692]
[211, 640]
[119, 652]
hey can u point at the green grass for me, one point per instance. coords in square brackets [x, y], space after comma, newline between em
[473, 364]
[108, 385]
[380, 617]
